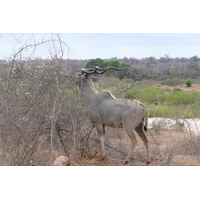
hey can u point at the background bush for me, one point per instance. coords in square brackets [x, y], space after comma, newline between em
[188, 83]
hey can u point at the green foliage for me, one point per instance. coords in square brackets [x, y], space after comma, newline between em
[165, 111]
[148, 82]
[177, 89]
[167, 104]
[187, 113]
[101, 63]
[172, 82]
[130, 94]
[170, 111]
[111, 90]
[95, 62]
[179, 97]
[152, 94]
[114, 63]
[188, 83]
[152, 60]
[145, 93]
[123, 72]
[196, 109]
[127, 80]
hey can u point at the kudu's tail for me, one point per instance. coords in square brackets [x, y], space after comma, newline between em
[145, 121]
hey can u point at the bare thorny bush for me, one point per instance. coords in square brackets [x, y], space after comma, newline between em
[40, 114]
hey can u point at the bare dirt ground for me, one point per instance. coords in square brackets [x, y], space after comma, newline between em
[171, 146]
[183, 87]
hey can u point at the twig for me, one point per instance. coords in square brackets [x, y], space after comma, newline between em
[61, 140]
[196, 126]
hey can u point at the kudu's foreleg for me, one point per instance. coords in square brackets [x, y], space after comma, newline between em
[101, 133]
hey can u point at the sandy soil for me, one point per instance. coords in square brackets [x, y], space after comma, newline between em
[191, 126]
[183, 87]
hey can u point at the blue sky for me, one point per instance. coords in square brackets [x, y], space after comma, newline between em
[108, 45]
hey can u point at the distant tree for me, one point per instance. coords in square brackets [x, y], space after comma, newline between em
[194, 59]
[95, 62]
[114, 63]
[124, 70]
[152, 60]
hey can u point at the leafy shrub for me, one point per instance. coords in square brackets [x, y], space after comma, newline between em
[130, 94]
[164, 111]
[182, 97]
[122, 73]
[172, 82]
[152, 94]
[149, 82]
[145, 93]
[177, 89]
[187, 113]
[127, 80]
[196, 109]
[188, 83]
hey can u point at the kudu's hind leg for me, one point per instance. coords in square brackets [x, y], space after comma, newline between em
[101, 133]
[134, 141]
[142, 135]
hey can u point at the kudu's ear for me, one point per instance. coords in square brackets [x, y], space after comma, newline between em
[78, 74]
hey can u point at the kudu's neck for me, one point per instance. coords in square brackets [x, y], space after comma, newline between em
[87, 93]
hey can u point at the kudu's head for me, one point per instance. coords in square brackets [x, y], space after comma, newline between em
[86, 72]
[86, 90]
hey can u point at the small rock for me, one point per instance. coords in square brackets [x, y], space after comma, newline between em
[62, 161]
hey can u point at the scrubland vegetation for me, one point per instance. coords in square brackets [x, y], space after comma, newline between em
[41, 116]
[162, 102]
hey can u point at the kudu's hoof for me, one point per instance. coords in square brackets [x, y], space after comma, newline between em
[148, 162]
[125, 162]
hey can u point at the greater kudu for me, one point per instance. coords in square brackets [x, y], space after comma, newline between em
[106, 110]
